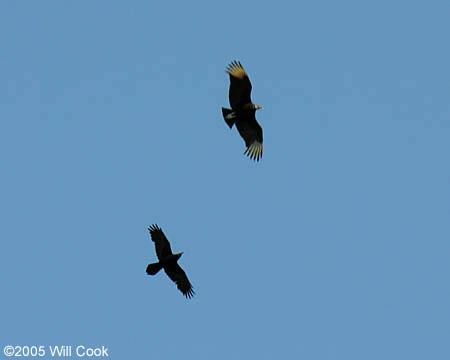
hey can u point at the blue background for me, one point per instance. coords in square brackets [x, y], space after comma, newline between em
[334, 246]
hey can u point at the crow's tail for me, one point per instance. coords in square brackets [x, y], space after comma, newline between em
[152, 269]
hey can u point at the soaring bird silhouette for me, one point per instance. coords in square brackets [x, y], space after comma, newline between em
[242, 112]
[168, 262]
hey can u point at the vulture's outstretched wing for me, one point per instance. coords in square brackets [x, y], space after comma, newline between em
[178, 276]
[252, 134]
[162, 245]
[240, 85]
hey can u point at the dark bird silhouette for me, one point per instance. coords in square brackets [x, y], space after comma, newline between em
[242, 112]
[168, 262]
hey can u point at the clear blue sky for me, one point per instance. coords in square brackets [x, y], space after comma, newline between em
[334, 246]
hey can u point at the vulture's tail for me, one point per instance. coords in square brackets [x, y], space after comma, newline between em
[228, 116]
[152, 269]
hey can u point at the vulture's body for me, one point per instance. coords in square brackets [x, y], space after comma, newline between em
[242, 112]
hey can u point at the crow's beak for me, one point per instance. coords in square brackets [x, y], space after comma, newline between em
[257, 107]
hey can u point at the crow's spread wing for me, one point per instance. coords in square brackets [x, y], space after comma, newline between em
[178, 276]
[162, 245]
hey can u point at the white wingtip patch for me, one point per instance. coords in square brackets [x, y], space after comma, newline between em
[255, 150]
[236, 69]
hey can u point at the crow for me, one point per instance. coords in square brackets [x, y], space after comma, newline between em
[168, 262]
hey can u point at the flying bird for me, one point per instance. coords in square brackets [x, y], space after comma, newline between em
[242, 112]
[168, 262]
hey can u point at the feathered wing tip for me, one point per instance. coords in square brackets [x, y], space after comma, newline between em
[189, 294]
[236, 69]
[255, 150]
[153, 228]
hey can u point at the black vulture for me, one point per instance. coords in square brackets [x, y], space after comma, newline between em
[168, 262]
[242, 112]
